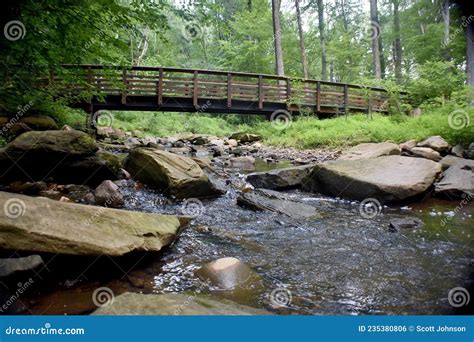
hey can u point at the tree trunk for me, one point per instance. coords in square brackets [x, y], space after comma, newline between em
[249, 5]
[331, 71]
[445, 13]
[470, 53]
[344, 15]
[304, 60]
[322, 39]
[375, 40]
[446, 19]
[280, 69]
[142, 48]
[397, 45]
[382, 58]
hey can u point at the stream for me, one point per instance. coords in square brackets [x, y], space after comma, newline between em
[337, 263]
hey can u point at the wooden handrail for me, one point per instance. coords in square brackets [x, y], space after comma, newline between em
[215, 91]
[221, 73]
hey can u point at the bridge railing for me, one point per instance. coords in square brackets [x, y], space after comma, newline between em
[200, 85]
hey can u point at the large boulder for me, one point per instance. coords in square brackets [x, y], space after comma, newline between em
[182, 304]
[280, 179]
[262, 199]
[66, 156]
[371, 150]
[90, 170]
[435, 142]
[177, 175]
[457, 180]
[39, 122]
[44, 225]
[27, 123]
[388, 178]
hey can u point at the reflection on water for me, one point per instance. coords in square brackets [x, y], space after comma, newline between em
[338, 263]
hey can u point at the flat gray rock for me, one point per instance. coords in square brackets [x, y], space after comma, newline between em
[457, 180]
[262, 199]
[388, 178]
[370, 150]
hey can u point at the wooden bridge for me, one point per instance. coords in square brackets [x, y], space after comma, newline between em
[191, 90]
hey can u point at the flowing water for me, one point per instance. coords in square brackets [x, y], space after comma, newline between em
[337, 263]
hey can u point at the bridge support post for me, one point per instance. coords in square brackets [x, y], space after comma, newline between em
[91, 121]
[346, 100]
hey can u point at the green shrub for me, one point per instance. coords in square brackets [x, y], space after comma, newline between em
[436, 82]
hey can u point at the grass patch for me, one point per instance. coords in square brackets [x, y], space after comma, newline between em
[308, 132]
[166, 124]
[304, 132]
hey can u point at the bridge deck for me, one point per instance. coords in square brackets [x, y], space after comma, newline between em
[186, 90]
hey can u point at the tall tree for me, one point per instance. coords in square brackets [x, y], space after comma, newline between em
[470, 53]
[322, 38]
[397, 45]
[280, 69]
[446, 18]
[467, 8]
[374, 17]
[304, 59]
[342, 4]
[142, 48]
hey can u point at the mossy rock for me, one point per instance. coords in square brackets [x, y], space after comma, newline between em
[177, 175]
[66, 156]
[50, 226]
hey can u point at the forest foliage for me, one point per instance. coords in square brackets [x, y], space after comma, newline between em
[421, 43]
